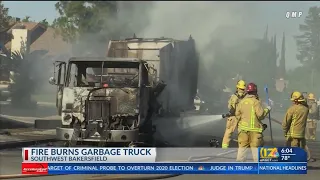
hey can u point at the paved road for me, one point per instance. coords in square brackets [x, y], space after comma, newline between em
[43, 110]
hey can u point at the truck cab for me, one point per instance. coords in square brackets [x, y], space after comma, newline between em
[102, 100]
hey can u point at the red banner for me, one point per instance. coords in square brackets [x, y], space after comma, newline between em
[34, 168]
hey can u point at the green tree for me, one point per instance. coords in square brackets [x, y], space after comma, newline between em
[88, 25]
[308, 42]
[45, 23]
[302, 79]
[4, 18]
[282, 65]
[81, 17]
[26, 19]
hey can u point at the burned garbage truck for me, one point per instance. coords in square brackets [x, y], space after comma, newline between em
[115, 99]
[105, 100]
[176, 62]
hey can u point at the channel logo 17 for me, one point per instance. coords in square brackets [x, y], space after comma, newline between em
[293, 14]
[269, 154]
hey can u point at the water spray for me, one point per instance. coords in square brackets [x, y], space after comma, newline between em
[227, 115]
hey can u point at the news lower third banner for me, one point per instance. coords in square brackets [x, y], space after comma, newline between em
[149, 155]
[53, 160]
[165, 168]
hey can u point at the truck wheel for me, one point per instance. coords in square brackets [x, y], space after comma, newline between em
[46, 124]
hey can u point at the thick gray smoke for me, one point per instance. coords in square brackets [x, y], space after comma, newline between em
[208, 22]
[226, 24]
[205, 21]
[212, 24]
[228, 21]
[130, 18]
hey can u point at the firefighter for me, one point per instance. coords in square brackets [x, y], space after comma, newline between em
[231, 119]
[295, 120]
[313, 117]
[250, 113]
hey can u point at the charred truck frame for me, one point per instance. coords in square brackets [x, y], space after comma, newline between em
[106, 101]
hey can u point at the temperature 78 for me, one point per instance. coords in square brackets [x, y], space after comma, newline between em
[285, 158]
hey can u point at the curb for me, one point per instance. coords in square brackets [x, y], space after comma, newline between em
[17, 144]
[47, 123]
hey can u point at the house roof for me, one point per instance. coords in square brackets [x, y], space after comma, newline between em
[29, 25]
[48, 41]
[52, 43]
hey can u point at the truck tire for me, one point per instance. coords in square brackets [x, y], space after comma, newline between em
[46, 124]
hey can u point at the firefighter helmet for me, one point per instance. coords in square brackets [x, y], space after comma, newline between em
[252, 88]
[297, 96]
[241, 84]
[311, 96]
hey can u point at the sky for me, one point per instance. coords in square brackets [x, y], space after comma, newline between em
[37, 10]
[267, 13]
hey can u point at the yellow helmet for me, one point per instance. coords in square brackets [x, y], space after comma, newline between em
[297, 96]
[241, 84]
[311, 96]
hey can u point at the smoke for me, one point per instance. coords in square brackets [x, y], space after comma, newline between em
[129, 19]
[226, 26]
[213, 25]
[119, 23]
[205, 21]
[226, 22]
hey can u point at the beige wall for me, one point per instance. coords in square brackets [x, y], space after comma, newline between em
[20, 41]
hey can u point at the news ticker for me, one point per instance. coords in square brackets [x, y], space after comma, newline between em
[165, 168]
[149, 155]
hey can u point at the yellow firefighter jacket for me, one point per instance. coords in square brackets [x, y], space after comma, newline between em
[313, 110]
[250, 112]
[295, 120]
[234, 100]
